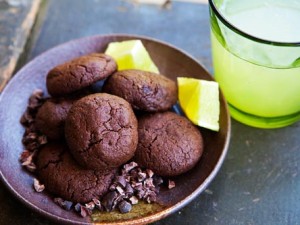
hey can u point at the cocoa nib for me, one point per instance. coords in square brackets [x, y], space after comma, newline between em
[97, 204]
[133, 200]
[38, 187]
[120, 180]
[42, 139]
[108, 201]
[120, 190]
[150, 173]
[26, 118]
[129, 190]
[171, 184]
[130, 166]
[82, 210]
[33, 140]
[141, 176]
[67, 205]
[26, 156]
[90, 205]
[77, 207]
[31, 167]
[124, 207]
[34, 102]
[30, 137]
[26, 159]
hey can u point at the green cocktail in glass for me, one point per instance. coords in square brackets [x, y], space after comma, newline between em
[256, 58]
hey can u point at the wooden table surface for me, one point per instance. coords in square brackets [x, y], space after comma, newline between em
[259, 180]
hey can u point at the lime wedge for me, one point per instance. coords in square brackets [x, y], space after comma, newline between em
[199, 99]
[131, 55]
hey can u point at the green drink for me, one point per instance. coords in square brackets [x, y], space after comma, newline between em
[256, 59]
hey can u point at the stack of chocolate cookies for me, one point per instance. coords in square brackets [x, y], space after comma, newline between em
[91, 135]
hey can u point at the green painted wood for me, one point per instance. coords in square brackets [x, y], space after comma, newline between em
[16, 20]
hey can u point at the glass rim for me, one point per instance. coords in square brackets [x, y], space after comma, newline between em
[249, 36]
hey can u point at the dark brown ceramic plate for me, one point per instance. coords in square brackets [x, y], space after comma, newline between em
[172, 62]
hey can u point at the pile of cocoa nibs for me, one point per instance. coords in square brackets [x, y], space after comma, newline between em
[131, 185]
[32, 138]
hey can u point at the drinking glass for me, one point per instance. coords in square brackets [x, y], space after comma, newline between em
[256, 59]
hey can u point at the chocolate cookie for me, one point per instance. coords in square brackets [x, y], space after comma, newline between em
[51, 116]
[169, 144]
[143, 90]
[101, 131]
[79, 73]
[64, 178]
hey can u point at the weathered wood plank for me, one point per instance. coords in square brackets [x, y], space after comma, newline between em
[16, 20]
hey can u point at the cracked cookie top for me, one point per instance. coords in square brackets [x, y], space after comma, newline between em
[101, 131]
[79, 73]
[145, 91]
[169, 144]
[63, 177]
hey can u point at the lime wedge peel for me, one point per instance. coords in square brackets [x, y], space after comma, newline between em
[199, 99]
[131, 54]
